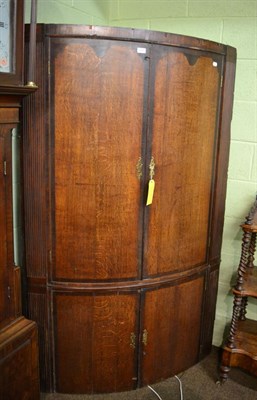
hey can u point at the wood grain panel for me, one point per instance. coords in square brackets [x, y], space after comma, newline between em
[19, 374]
[9, 115]
[98, 102]
[184, 126]
[172, 318]
[92, 349]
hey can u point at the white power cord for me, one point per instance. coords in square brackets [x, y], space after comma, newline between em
[150, 387]
[180, 389]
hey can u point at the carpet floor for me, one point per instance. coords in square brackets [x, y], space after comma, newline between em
[198, 383]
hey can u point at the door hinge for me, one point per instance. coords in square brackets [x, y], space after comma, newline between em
[50, 256]
[5, 168]
[49, 68]
[133, 340]
[209, 241]
[9, 292]
[139, 168]
[221, 81]
[145, 337]
[205, 284]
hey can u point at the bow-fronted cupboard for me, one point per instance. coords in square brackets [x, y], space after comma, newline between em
[124, 293]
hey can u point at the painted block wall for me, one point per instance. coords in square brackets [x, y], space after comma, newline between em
[87, 12]
[228, 21]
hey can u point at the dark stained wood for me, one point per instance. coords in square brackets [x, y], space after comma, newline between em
[126, 34]
[19, 366]
[4, 304]
[223, 154]
[240, 347]
[6, 246]
[38, 311]
[19, 369]
[244, 353]
[209, 309]
[32, 45]
[101, 265]
[19, 375]
[102, 356]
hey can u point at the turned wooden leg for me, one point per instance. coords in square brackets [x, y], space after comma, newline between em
[224, 370]
[244, 260]
[243, 309]
[234, 322]
[252, 249]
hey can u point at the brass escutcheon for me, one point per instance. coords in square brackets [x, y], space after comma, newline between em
[151, 168]
[139, 168]
[145, 337]
[133, 340]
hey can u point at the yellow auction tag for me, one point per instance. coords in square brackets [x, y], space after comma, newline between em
[151, 185]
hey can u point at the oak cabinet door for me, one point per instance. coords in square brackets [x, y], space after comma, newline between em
[183, 138]
[171, 324]
[98, 103]
[95, 342]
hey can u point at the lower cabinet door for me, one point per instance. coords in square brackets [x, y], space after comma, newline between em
[95, 341]
[170, 335]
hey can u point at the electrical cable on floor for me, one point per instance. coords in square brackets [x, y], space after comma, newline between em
[180, 389]
[150, 387]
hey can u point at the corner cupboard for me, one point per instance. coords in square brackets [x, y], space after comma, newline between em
[124, 293]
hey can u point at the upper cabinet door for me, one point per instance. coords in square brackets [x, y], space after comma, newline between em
[97, 97]
[186, 92]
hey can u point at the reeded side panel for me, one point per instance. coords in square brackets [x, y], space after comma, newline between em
[95, 342]
[185, 106]
[35, 174]
[171, 325]
[98, 94]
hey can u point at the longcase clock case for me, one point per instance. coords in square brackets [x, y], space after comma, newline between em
[19, 372]
[123, 293]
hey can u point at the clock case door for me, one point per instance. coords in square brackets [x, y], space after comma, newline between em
[15, 77]
[6, 245]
